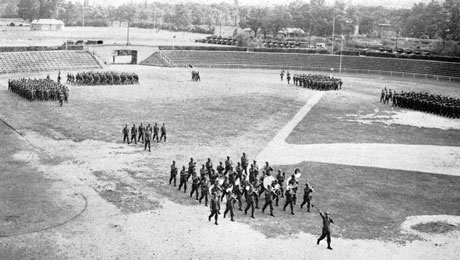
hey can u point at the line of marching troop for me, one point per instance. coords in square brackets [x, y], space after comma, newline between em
[103, 78]
[237, 183]
[39, 89]
[317, 82]
[422, 101]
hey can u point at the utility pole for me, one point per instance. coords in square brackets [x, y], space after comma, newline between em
[333, 33]
[127, 36]
[341, 47]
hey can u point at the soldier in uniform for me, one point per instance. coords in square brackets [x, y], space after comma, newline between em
[282, 75]
[308, 190]
[244, 163]
[288, 77]
[289, 199]
[155, 132]
[147, 136]
[229, 204]
[196, 180]
[134, 133]
[250, 196]
[183, 179]
[268, 200]
[214, 204]
[326, 229]
[228, 165]
[209, 165]
[126, 134]
[280, 178]
[220, 168]
[204, 189]
[173, 173]
[163, 132]
[141, 130]
[191, 168]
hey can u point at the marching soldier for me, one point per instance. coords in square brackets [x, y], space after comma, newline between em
[209, 165]
[163, 132]
[229, 204]
[228, 165]
[308, 190]
[280, 178]
[288, 77]
[220, 168]
[289, 199]
[195, 185]
[244, 163]
[141, 130]
[282, 75]
[134, 134]
[183, 179]
[204, 189]
[214, 204]
[155, 132]
[326, 229]
[191, 168]
[125, 134]
[268, 200]
[250, 196]
[173, 173]
[147, 136]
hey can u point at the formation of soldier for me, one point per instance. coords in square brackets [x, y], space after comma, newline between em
[103, 78]
[423, 101]
[317, 82]
[39, 89]
[232, 185]
[144, 134]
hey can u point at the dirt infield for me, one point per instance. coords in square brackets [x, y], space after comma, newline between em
[131, 210]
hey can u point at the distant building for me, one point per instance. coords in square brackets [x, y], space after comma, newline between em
[385, 30]
[46, 25]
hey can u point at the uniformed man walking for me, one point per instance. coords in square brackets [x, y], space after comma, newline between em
[163, 132]
[147, 136]
[155, 132]
[229, 205]
[326, 229]
[173, 173]
[141, 130]
[126, 134]
[134, 133]
[268, 200]
[183, 179]
[308, 190]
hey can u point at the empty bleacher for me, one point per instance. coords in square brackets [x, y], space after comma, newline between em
[34, 61]
[155, 60]
[311, 62]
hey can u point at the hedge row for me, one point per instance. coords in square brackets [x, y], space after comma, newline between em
[39, 48]
[217, 48]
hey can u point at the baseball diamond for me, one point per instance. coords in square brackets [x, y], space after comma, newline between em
[202, 153]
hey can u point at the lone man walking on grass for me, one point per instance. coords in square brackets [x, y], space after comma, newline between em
[326, 229]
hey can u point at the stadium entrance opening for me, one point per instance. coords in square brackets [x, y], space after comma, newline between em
[124, 57]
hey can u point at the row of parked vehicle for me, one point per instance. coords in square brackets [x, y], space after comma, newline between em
[403, 51]
[232, 41]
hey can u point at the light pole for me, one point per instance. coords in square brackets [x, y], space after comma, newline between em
[127, 35]
[333, 33]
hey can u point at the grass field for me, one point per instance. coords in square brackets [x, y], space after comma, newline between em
[230, 112]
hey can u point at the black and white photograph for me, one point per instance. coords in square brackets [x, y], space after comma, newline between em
[229, 129]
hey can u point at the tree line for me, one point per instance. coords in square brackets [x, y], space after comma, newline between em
[433, 20]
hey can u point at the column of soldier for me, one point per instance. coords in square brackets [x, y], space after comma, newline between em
[39, 89]
[144, 134]
[423, 101]
[317, 82]
[235, 184]
[103, 78]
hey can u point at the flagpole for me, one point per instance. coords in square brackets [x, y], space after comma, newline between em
[341, 47]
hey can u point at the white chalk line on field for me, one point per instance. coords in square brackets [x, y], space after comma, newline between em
[420, 158]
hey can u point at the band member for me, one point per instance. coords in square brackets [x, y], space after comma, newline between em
[191, 168]
[228, 165]
[229, 205]
[183, 179]
[173, 173]
[280, 178]
[244, 163]
[250, 197]
[134, 133]
[196, 180]
[268, 200]
[209, 165]
[214, 207]
[308, 190]
[289, 198]
[204, 189]
[125, 134]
